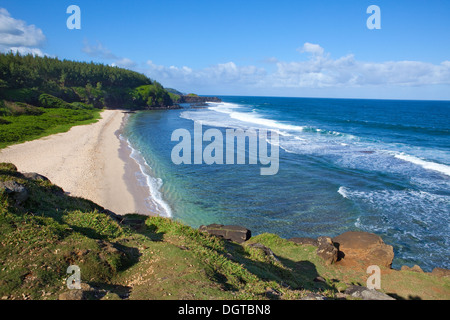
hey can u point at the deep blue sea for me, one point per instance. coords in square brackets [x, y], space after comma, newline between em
[381, 166]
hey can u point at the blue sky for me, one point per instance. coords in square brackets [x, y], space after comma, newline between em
[279, 48]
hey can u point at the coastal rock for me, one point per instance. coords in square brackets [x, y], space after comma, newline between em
[85, 293]
[326, 250]
[364, 247]
[197, 99]
[35, 176]
[415, 268]
[440, 272]
[302, 240]
[234, 233]
[366, 294]
[15, 190]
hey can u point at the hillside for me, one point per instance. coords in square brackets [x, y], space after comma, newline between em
[43, 231]
[40, 96]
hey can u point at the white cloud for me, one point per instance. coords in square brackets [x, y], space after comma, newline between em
[347, 71]
[319, 73]
[25, 51]
[18, 36]
[228, 74]
[98, 51]
[315, 49]
[270, 60]
[101, 52]
[124, 63]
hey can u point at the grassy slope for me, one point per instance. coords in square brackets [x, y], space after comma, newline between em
[21, 127]
[156, 258]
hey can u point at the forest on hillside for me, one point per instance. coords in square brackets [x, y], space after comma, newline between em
[26, 78]
[40, 96]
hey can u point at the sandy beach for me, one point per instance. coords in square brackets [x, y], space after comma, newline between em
[88, 161]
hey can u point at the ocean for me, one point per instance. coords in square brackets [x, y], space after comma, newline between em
[380, 166]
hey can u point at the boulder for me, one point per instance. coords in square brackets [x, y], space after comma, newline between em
[234, 233]
[15, 190]
[326, 250]
[302, 240]
[72, 295]
[85, 293]
[366, 293]
[35, 176]
[363, 247]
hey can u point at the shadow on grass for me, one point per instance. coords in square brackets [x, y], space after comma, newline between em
[397, 297]
[288, 273]
[50, 201]
[295, 275]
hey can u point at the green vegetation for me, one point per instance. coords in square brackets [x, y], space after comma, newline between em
[26, 78]
[40, 96]
[174, 91]
[174, 94]
[152, 95]
[175, 98]
[139, 257]
[22, 122]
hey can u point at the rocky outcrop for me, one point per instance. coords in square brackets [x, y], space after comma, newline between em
[363, 247]
[415, 268]
[234, 233]
[198, 99]
[85, 293]
[366, 293]
[171, 107]
[15, 190]
[35, 176]
[326, 250]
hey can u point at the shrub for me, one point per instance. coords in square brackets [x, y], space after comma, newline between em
[49, 101]
[81, 105]
[21, 95]
[6, 166]
[20, 108]
[3, 121]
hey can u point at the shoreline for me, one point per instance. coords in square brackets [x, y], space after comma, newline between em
[88, 161]
[141, 183]
[140, 192]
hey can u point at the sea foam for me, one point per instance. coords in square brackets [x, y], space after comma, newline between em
[153, 184]
[442, 168]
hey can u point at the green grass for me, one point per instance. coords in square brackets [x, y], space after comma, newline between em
[19, 125]
[142, 257]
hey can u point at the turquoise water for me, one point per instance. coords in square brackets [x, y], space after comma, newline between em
[380, 166]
